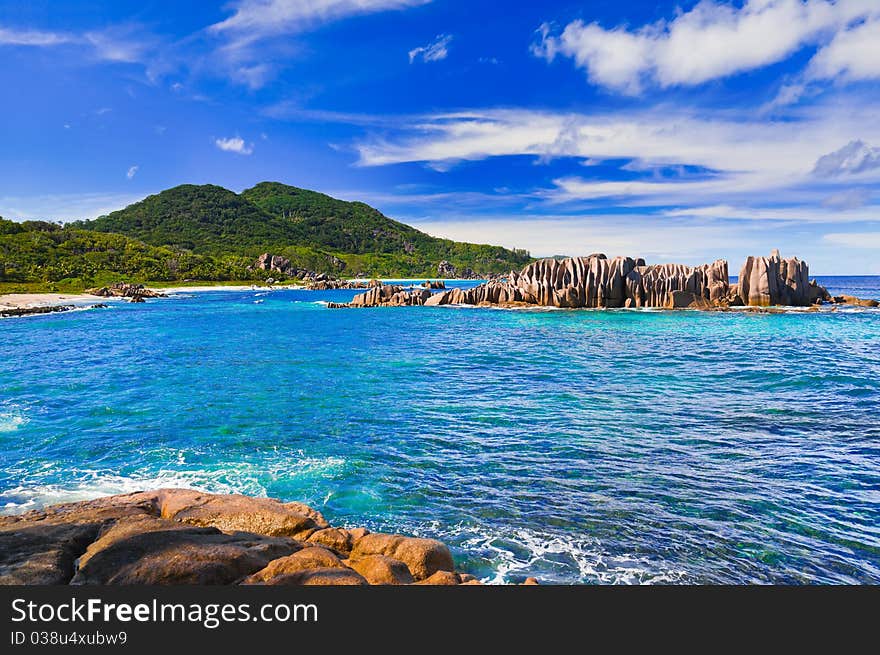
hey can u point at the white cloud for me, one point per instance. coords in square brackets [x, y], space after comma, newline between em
[710, 41]
[64, 207]
[34, 38]
[855, 157]
[254, 19]
[682, 240]
[861, 240]
[437, 50]
[253, 76]
[852, 55]
[658, 136]
[132, 171]
[122, 44]
[234, 144]
[848, 199]
[801, 214]
[127, 43]
[545, 236]
[741, 153]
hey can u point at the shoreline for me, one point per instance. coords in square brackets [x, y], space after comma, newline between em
[185, 536]
[49, 298]
[34, 300]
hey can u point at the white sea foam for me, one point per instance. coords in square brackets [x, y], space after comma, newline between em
[11, 421]
[248, 478]
[519, 553]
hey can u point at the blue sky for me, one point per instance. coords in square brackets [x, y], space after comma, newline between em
[678, 131]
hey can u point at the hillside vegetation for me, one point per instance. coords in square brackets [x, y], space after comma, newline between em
[206, 232]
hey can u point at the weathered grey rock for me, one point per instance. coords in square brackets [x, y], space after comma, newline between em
[595, 281]
[9, 312]
[135, 292]
[766, 281]
[277, 263]
[650, 286]
[387, 296]
[686, 300]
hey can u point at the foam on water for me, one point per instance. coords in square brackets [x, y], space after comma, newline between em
[10, 421]
[244, 477]
[515, 554]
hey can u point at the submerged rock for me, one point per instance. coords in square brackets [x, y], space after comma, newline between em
[9, 312]
[181, 536]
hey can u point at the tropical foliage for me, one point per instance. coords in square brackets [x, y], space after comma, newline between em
[210, 233]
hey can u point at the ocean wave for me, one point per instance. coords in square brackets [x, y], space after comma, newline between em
[519, 553]
[41, 489]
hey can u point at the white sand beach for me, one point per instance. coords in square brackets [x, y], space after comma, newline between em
[24, 300]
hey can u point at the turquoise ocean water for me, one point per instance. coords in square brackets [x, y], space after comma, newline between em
[572, 445]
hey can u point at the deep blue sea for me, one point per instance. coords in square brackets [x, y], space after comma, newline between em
[577, 446]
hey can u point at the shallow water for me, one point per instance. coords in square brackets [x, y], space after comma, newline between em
[576, 446]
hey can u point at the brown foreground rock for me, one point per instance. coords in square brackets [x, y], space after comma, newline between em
[181, 536]
[423, 557]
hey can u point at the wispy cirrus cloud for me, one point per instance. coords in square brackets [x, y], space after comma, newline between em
[34, 38]
[711, 157]
[131, 172]
[244, 35]
[436, 50]
[858, 240]
[717, 39]
[64, 206]
[124, 43]
[256, 19]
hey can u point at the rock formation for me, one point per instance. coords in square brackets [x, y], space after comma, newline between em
[318, 281]
[766, 281]
[852, 300]
[448, 270]
[134, 292]
[390, 295]
[9, 312]
[181, 536]
[596, 281]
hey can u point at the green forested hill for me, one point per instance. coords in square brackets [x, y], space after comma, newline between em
[206, 232]
[206, 218]
[70, 259]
